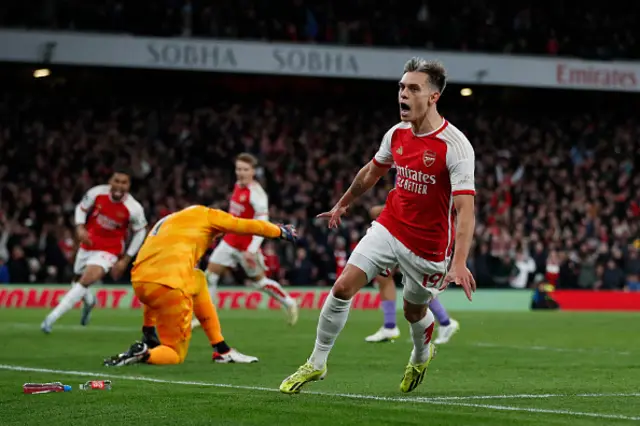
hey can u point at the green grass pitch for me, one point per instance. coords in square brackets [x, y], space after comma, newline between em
[549, 368]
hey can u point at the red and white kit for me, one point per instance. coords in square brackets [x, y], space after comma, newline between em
[247, 202]
[107, 222]
[416, 227]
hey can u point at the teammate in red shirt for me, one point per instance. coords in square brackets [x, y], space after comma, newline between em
[248, 201]
[103, 219]
[415, 231]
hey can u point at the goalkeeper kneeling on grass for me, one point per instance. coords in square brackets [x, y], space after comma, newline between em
[171, 290]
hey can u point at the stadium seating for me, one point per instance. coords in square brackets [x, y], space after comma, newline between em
[557, 28]
[563, 187]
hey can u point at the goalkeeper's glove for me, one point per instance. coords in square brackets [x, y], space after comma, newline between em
[288, 233]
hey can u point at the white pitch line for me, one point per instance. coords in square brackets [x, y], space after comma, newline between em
[540, 410]
[435, 400]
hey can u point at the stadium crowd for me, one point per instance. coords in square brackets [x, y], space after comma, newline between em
[594, 30]
[557, 195]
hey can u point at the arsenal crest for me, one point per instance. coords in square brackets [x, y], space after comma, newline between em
[242, 198]
[429, 157]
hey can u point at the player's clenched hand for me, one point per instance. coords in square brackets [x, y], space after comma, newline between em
[461, 276]
[288, 233]
[119, 268]
[334, 215]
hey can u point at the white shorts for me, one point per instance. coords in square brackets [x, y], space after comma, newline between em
[231, 257]
[379, 250]
[93, 257]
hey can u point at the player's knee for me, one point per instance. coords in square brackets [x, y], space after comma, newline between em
[91, 274]
[258, 278]
[215, 268]
[414, 313]
[342, 290]
[350, 281]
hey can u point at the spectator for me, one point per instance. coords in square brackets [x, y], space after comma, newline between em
[5, 278]
[556, 196]
[552, 268]
[302, 271]
[18, 266]
[504, 271]
[481, 264]
[633, 283]
[5, 233]
[587, 277]
[632, 262]
[613, 277]
[483, 26]
[540, 257]
[525, 267]
[569, 271]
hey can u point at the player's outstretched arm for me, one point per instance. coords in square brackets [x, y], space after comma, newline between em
[226, 223]
[366, 179]
[465, 225]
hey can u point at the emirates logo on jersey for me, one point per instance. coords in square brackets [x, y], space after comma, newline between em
[236, 209]
[429, 157]
[107, 222]
[242, 198]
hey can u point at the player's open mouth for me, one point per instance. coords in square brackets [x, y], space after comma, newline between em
[404, 109]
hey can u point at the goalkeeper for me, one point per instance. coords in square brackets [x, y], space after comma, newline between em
[171, 290]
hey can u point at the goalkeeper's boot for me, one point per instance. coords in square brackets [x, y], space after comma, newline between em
[233, 356]
[150, 337]
[86, 312]
[305, 374]
[138, 352]
[414, 373]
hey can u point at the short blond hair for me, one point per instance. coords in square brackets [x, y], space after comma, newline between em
[250, 159]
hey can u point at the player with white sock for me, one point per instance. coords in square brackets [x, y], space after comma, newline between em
[389, 331]
[248, 201]
[103, 219]
[415, 231]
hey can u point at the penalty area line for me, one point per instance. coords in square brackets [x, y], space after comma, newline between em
[423, 400]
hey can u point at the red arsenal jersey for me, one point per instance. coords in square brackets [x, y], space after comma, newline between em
[108, 221]
[247, 202]
[431, 168]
